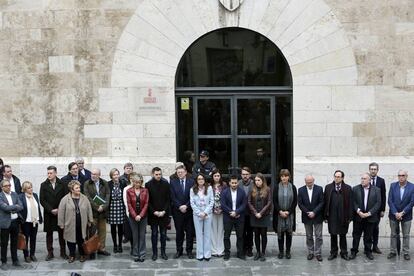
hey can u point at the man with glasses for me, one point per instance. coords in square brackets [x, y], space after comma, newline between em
[378, 182]
[401, 201]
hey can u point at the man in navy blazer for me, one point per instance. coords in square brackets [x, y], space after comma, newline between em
[401, 201]
[10, 206]
[310, 201]
[81, 169]
[181, 211]
[378, 182]
[233, 203]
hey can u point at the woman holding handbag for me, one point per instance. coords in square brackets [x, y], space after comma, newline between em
[31, 217]
[260, 204]
[137, 199]
[74, 215]
[202, 201]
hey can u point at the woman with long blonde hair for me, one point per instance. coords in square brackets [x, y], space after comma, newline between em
[260, 204]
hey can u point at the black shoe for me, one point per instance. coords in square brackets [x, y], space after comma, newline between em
[280, 255]
[141, 260]
[27, 259]
[376, 250]
[164, 256]
[353, 256]
[288, 256]
[33, 258]
[391, 255]
[407, 257]
[241, 257]
[345, 257]
[49, 257]
[190, 255]
[125, 240]
[207, 259]
[257, 256]
[136, 259]
[226, 257]
[16, 263]
[92, 256]
[115, 249]
[200, 259]
[104, 252]
[262, 257]
[249, 253]
[332, 256]
[369, 256]
[178, 255]
[120, 249]
[310, 257]
[319, 258]
[64, 256]
[154, 257]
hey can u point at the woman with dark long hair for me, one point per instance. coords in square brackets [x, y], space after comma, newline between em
[260, 204]
[217, 229]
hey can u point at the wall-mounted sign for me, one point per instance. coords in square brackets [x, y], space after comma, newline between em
[185, 103]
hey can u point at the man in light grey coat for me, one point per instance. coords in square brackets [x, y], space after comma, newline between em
[10, 205]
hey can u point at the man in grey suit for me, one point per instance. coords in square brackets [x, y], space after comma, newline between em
[10, 205]
[366, 205]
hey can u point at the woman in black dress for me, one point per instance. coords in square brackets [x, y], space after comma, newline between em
[116, 209]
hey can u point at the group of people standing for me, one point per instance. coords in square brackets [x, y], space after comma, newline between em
[204, 207]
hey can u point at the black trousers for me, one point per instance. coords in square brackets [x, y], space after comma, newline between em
[79, 243]
[12, 234]
[260, 238]
[247, 234]
[375, 233]
[238, 225]
[360, 227]
[281, 241]
[342, 244]
[184, 225]
[30, 232]
[115, 233]
[154, 238]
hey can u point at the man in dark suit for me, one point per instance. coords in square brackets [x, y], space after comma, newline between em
[380, 183]
[10, 206]
[73, 174]
[52, 190]
[338, 213]
[82, 171]
[96, 186]
[401, 201]
[310, 201]
[14, 180]
[233, 203]
[181, 211]
[366, 204]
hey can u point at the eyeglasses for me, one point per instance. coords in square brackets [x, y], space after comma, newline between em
[7, 185]
[401, 175]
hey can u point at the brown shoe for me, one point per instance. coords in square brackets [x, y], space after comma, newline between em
[82, 258]
[71, 259]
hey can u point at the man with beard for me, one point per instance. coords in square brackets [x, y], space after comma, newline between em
[338, 213]
[158, 211]
[246, 183]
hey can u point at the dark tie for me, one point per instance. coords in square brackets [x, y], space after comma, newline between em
[182, 185]
[338, 188]
[373, 181]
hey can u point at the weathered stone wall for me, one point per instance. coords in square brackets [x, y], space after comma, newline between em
[96, 79]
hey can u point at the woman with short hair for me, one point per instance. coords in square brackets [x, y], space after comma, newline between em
[74, 215]
[31, 217]
[116, 212]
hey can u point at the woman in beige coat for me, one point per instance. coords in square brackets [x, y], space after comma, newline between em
[74, 215]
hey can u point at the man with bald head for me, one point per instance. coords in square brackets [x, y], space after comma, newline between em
[366, 205]
[401, 201]
[310, 201]
[98, 193]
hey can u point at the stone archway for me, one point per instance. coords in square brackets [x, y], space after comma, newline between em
[149, 50]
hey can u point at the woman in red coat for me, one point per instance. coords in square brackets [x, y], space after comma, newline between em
[137, 199]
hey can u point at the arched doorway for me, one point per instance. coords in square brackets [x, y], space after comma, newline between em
[234, 98]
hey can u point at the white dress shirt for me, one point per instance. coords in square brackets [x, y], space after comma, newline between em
[310, 191]
[10, 200]
[233, 199]
[12, 188]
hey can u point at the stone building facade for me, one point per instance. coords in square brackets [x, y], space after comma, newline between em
[96, 78]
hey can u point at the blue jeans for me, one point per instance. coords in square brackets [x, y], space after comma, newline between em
[203, 235]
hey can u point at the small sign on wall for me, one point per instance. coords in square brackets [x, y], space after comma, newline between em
[185, 103]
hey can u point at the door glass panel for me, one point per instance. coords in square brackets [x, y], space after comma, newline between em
[185, 129]
[214, 117]
[255, 154]
[253, 116]
[284, 134]
[220, 152]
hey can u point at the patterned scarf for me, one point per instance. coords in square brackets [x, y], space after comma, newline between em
[33, 209]
[285, 197]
